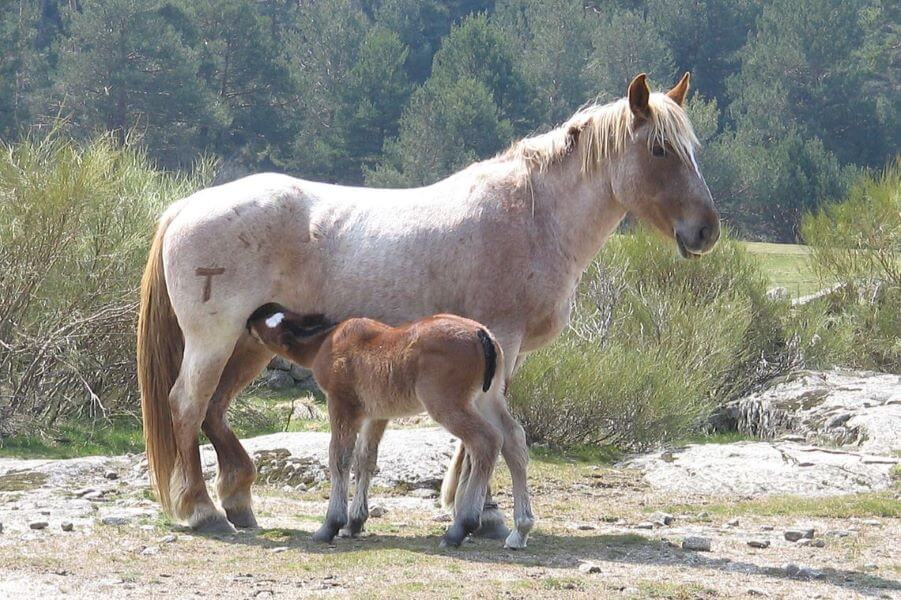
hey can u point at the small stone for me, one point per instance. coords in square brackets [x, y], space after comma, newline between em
[803, 542]
[66, 526]
[587, 567]
[38, 525]
[791, 569]
[168, 539]
[111, 475]
[756, 592]
[808, 573]
[279, 549]
[645, 525]
[838, 533]
[81, 492]
[376, 511]
[662, 518]
[150, 551]
[871, 566]
[872, 522]
[93, 495]
[818, 543]
[115, 521]
[767, 528]
[696, 543]
[424, 493]
[793, 535]
[443, 518]
[759, 543]
[733, 522]
[1, 527]
[703, 515]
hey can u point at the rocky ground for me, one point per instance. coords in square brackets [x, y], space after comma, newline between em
[814, 514]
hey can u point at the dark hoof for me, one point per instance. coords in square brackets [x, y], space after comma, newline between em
[492, 526]
[214, 525]
[453, 538]
[325, 535]
[242, 518]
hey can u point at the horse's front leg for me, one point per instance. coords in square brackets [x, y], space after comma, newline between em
[364, 464]
[345, 423]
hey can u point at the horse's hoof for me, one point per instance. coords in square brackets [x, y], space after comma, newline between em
[515, 541]
[325, 535]
[214, 525]
[242, 518]
[492, 529]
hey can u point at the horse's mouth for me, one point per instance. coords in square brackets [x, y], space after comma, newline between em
[683, 251]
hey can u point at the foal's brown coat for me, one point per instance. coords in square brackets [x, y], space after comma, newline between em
[370, 372]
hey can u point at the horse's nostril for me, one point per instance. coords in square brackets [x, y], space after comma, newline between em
[704, 234]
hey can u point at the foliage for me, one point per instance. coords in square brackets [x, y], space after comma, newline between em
[655, 342]
[74, 227]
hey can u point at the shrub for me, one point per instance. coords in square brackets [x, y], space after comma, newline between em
[857, 242]
[655, 343]
[75, 223]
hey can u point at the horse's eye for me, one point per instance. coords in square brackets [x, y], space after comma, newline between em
[658, 150]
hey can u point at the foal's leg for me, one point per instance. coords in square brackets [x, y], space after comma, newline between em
[188, 400]
[345, 422]
[364, 463]
[236, 469]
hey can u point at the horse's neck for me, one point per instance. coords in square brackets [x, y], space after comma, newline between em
[578, 213]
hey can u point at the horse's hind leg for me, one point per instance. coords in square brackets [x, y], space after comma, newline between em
[516, 455]
[188, 400]
[236, 469]
[364, 464]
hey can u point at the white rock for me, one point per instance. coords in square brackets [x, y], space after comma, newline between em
[587, 567]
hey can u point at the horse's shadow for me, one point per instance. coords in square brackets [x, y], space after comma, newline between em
[553, 552]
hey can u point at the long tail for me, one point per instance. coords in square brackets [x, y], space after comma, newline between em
[160, 348]
[452, 478]
[489, 347]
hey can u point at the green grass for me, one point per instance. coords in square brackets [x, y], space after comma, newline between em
[871, 504]
[113, 438]
[786, 265]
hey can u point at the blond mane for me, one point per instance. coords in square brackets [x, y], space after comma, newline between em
[603, 131]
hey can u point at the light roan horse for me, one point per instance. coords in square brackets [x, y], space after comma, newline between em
[446, 365]
[503, 242]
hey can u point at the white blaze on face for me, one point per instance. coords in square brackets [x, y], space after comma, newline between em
[273, 321]
[694, 163]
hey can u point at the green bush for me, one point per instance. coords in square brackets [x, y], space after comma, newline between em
[655, 343]
[857, 242]
[75, 223]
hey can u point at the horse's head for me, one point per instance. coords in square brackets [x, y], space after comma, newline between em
[657, 177]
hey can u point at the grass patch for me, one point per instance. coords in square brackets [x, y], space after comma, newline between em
[673, 591]
[786, 265]
[74, 440]
[871, 504]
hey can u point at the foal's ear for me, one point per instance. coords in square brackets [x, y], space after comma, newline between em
[639, 95]
[677, 94]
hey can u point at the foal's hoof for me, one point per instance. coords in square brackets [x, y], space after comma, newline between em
[242, 518]
[214, 525]
[325, 535]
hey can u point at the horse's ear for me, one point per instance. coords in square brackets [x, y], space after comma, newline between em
[639, 95]
[677, 94]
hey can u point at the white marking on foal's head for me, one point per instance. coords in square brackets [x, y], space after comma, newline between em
[273, 321]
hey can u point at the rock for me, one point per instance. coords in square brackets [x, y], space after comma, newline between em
[587, 567]
[67, 526]
[279, 380]
[279, 549]
[38, 525]
[301, 375]
[696, 543]
[168, 539]
[791, 569]
[662, 518]
[836, 407]
[803, 543]
[872, 522]
[778, 293]
[111, 475]
[114, 520]
[83, 491]
[1, 527]
[733, 522]
[423, 493]
[818, 543]
[766, 528]
[793, 535]
[838, 533]
[443, 518]
[703, 515]
[644, 525]
[150, 551]
[808, 573]
[279, 364]
[376, 512]
[759, 543]
[582, 526]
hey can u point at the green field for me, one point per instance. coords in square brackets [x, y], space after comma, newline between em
[786, 265]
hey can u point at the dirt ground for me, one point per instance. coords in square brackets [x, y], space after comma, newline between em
[587, 516]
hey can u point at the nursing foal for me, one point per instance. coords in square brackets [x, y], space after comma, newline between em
[449, 366]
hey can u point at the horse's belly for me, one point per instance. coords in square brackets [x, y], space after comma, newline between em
[387, 405]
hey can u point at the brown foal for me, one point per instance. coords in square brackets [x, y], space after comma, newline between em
[449, 366]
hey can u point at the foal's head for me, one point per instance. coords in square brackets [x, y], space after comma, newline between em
[657, 177]
[287, 333]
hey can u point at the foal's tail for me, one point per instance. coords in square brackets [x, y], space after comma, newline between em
[160, 348]
[452, 478]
